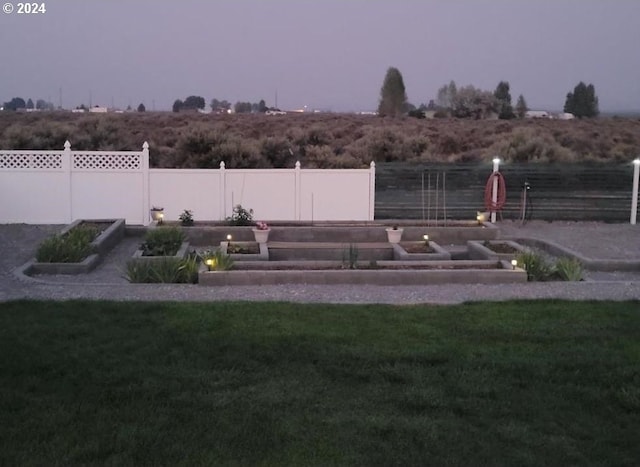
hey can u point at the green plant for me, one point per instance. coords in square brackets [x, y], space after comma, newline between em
[71, 247]
[186, 218]
[162, 241]
[569, 269]
[240, 216]
[350, 257]
[536, 265]
[216, 260]
[166, 270]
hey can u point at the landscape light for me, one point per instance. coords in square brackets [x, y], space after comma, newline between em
[480, 217]
[496, 160]
[209, 263]
[636, 162]
[229, 237]
[426, 239]
[514, 263]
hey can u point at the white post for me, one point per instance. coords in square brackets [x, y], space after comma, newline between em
[494, 193]
[372, 190]
[146, 184]
[634, 195]
[297, 194]
[68, 163]
[223, 193]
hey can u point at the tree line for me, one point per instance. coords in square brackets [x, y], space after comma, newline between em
[219, 106]
[471, 102]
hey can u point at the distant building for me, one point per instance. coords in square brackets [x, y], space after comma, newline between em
[536, 114]
[566, 116]
[98, 110]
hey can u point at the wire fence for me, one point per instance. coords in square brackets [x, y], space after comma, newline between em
[437, 192]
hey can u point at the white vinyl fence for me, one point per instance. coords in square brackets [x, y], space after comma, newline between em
[57, 187]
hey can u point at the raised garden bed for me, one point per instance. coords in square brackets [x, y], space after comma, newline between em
[111, 233]
[419, 251]
[181, 253]
[245, 251]
[494, 249]
[384, 273]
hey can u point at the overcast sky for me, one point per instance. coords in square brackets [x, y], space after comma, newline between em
[326, 54]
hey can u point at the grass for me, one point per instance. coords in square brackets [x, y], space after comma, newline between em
[514, 383]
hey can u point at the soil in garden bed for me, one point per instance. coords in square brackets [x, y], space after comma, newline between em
[501, 248]
[243, 249]
[417, 248]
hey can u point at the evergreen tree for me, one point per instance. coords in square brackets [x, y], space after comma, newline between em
[393, 96]
[521, 107]
[503, 96]
[582, 102]
[177, 105]
[30, 104]
[142, 108]
[446, 95]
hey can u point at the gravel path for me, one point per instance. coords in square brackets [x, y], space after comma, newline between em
[18, 243]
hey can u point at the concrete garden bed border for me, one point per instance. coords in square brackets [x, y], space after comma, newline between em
[101, 245]
[477, 250]
[180, 254]
[401, 254]
[492, 272]
[262, 256]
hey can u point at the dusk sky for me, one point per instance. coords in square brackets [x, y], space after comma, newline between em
[325, 54]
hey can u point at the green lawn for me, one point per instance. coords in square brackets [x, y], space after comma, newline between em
[516, 383]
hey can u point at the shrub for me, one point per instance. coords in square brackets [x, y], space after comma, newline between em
[569, 269]
[71, 247]
[536, 265]
[216, 260]
[162, 241]
[167, 270]
[240, 216]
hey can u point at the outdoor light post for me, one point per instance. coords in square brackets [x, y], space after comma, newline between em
[634, 195]
[494, 192]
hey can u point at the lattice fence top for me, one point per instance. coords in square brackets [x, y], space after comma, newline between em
[107, 161]
[30, 160]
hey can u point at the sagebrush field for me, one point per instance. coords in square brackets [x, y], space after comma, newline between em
[191, 140]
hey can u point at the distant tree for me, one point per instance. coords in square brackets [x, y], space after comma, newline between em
[41, 104]
[446, 95]
[129, 109]
[521, 107]
[470, 102]
[431, 105]
[262, 106]
[15, 104]
[142, 108]
[242, 107]
[393, 96]
[178, 105]
[582, 102]
[503, 96]
[193, 102]
[217, 105]
[30, 104]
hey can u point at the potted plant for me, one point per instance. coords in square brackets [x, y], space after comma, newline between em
[157, 214]
[186, 218]
[261, 232]
[394, 234]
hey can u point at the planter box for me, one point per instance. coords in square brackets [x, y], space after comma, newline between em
[262, 256]
[439, 253]
[101, 245]
[180, 254]
[500, 273]
[477, 250]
